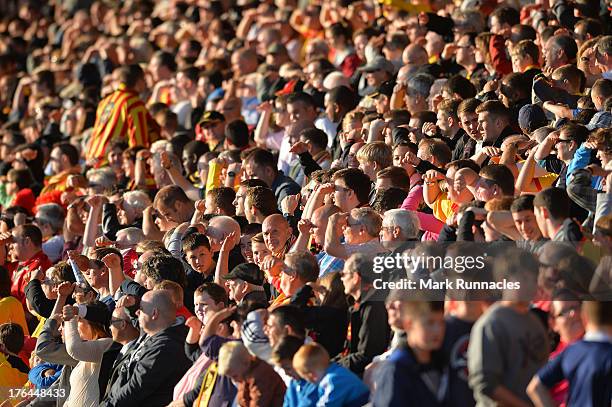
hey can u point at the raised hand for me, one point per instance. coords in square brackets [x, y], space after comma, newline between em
[65, 289]
[69, 312]
[299, 148]
[112, 261]
[228, 242]
[304, 226]
[290, 203]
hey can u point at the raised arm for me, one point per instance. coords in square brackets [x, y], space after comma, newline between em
[333, 247]
[84, 351]
[174, 172]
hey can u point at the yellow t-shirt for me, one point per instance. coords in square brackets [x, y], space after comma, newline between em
[443, 208]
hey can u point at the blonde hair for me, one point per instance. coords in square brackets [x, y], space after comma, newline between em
[231, 354]
[377, 152]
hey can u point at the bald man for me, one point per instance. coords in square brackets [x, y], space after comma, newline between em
[277, 234]
[157, 360]
[217, 230]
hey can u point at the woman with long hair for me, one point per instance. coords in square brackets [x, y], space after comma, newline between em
[86, 341]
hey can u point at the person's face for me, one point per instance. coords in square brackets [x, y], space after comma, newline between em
[330, 109]
[273, 330]
[96, 275]
[426, 332]
[486, 189]
[352, 231]
[245, 248]
[56, 161]
[254, 171]
[550, 54]
[118, 324]
[352, 155]
[566, 320]
[342, 196]
[204, 305]
[19, 247]
[398, 154]
[213, 132]
[276, 234]
[394, 315]
[170, 214]
[368, 167]
[318, 229]
[239, 201]
[360, 41]
[375, 78]
[350, 281]
[200, 259]
[469, 123]
[147, 313]
[11, 187]
[49, 285]
[189, 162]
[541, 220]
[465, 51]
[300, 111]
[260, 251]
[235, 289]
[527, 225]
[442, 121]
[565, 148]
[127, 166]
[381, 103]
[488, 126]
[85, 330]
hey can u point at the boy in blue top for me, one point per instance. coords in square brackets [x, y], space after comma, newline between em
[587, 364]
[417, 374]
[337, 386]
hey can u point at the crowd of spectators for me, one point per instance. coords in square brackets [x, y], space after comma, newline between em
[203, 203]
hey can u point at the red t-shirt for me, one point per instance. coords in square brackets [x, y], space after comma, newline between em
[20, 273]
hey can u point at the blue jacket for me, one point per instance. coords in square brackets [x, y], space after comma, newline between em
[341, 388]
[36, 375]
[399, 383]
[301, 393]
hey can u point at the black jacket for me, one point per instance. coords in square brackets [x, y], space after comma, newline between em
[154, 367]
[327, 323]
[110, 222]
[370, 332]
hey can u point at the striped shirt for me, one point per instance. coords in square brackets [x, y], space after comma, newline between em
[121, 116]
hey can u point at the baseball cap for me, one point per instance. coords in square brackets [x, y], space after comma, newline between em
[277, 48]
[531, 117]
[210, 117]
[248, 272]
[378, 64]
[385, 88]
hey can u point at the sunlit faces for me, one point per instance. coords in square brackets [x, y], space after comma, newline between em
[469, 123]
[344, 197]
[276, 233]
[426, 331]
[200, 259]
[204, 306]
[260, 251]
[527, 224]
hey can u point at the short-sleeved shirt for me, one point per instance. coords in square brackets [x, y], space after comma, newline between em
[587, 365]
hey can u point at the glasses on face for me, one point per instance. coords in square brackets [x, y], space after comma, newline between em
[488, 183]
[117, 321]
[340, 188]
[388, 228]
[568, 312]
[561, 141]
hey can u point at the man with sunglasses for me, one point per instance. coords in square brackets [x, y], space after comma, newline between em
[25, 246]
